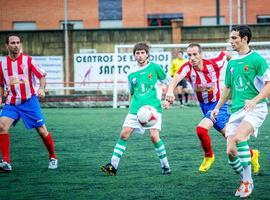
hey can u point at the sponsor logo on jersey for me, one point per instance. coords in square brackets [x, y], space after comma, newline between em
[232, 70]
[134, 81]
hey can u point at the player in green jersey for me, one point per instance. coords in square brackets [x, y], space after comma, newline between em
[143, 80]
[247, 82]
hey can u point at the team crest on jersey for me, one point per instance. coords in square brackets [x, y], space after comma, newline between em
[150, 76]
[246, 68]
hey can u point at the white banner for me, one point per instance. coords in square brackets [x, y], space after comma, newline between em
[53, 65]
[96, 71]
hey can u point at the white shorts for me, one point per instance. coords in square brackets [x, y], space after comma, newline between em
[132, 122]
[255, 118]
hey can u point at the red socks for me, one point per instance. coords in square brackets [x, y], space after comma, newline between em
[5, 147]
[48, 141]
[205, 141]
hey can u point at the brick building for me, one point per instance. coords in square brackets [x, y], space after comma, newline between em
[89, 14]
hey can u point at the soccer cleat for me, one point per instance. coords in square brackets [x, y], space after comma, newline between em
[246, 190]
[239, 189]
[109, 169]
[166, 171]
[5, 166]
[206, 164]
[53, 163]
[255, 161]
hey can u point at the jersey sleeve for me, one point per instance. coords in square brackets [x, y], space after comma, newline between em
[220, 60]
[130, 88]
[36, 69]
[228, 77]
[184, 70]
[161, 74]
[262, 69]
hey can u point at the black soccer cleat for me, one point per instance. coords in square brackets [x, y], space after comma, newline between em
[166, 171]
[109, 169]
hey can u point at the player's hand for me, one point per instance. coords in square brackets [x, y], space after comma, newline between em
[170, 97]
[249, 105]
[214, 114]
[165, 104]
[41, 92]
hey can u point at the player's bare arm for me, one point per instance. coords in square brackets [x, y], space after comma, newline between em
[226, 93]
[264, 93]
[41, 90]
[170, 94]
[1, 94]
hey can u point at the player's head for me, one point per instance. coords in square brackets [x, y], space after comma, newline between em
[180, 54]
[141, 53]
[240, 37]
[13, 35]
[13, 43]
[141, 46]
[194, 52]
[244, 31]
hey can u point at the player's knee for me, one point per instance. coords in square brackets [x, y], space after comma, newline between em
[154, 135]
[3, 128]
[231, 152]
[125, 133]
[201, 131]
[42, 131]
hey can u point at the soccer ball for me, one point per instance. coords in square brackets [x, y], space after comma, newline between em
[147, 116]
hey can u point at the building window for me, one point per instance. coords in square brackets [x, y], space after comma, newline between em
[110, 13]
[206, 21]
[77, 24]
[162, 19]
[24, 26]
[111, 24]
[263, 19]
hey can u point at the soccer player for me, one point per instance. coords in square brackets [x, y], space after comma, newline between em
[143, 80]
[247, 82]
[18, 73]
[204, 77]
[181, 87]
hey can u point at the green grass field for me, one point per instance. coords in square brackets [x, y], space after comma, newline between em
[84, 140]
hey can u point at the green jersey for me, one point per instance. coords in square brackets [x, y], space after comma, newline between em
[246, 75]
[144, 87]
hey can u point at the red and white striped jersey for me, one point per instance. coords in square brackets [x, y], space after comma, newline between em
[205, 82]
[19, 78]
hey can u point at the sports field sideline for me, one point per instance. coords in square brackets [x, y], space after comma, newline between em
[84, 140]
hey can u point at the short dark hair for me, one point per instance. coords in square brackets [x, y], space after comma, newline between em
[141, 46]
[191, 45]
[243, 30]
[12, 34]
[180, 51]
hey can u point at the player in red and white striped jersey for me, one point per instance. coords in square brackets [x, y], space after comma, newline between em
[204, 76]
[18, 76]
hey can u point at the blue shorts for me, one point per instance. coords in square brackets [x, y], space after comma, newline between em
[29, 111]
[221, 119]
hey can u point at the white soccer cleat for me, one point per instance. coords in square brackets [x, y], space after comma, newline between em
[239, 189]
[53, 163]
[247, 189]
[5, 166]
